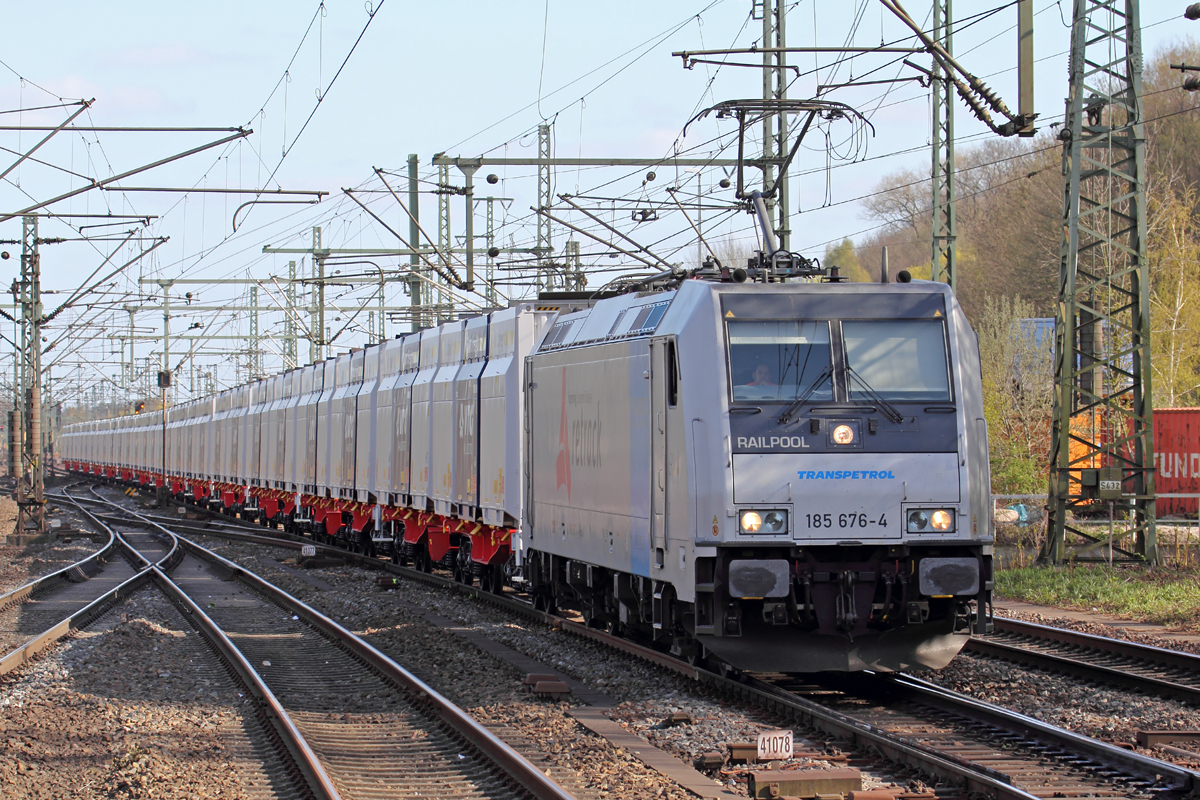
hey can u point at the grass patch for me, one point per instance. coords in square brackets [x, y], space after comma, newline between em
[1163, 596]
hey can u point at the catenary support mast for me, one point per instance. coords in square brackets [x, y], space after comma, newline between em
[1101, 442]
[943, 259]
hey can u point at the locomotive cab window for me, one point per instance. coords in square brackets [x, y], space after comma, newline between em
[779, 361]
[900, 360]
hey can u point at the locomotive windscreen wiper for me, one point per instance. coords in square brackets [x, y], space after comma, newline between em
[824, 375]
[889, 410]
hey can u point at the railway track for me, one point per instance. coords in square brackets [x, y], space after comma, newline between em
[1037, 758]
[962, 742]
[34, 616]
[348, 721]
[1151, 670]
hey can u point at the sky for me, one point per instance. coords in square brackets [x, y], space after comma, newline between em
[333, 91]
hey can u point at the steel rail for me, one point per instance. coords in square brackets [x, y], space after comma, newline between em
[976, 777]
[317, 778]
[266, 702]
[1145, 652]
[22, 592]
[80, 617]
[1137, 656]
[529, 777]
[1186, 780]
[77, 620]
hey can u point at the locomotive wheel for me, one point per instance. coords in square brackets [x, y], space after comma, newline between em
[544, 601]
[492, 579]
[723, 669]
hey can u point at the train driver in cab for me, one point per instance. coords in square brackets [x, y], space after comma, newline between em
[762, 376]
[761, 385]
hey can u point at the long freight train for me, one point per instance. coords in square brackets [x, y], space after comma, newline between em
[770, 476]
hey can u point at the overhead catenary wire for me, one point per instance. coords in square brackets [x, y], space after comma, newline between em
[301, 217]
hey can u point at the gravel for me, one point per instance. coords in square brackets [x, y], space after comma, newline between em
[131, 707]
[1105, 713]
[642, 694]
[20, 564]
[147, 722]
[1098, 629]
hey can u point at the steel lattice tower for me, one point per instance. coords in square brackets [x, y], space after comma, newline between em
[445, 239]
[545, 240]
[943, 261]
[1101, 441]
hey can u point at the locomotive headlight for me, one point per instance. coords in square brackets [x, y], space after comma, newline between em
[843, 434]
[928, 520]
[943, 520]
[918, 520]
[773, 521]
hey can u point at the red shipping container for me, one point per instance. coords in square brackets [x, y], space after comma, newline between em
[1176, 460]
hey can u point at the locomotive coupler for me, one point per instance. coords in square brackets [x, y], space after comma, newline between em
[847, 611]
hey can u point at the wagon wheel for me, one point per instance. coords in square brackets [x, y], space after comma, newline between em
[463, 568]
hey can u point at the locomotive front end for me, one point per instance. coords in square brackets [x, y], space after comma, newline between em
[853, 531]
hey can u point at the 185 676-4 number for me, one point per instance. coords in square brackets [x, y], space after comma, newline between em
[853, 519]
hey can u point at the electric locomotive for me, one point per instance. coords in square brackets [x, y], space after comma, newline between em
[773, 476]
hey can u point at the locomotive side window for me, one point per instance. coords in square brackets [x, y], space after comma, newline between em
[672, 375]
[779, 360]
[901, 360]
